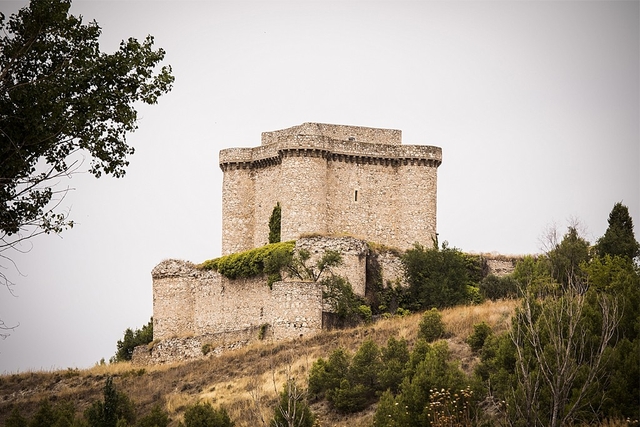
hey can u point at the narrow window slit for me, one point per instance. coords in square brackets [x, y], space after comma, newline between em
[356, 196]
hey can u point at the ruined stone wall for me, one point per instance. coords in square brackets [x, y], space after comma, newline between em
[354, 257]
[295, 309]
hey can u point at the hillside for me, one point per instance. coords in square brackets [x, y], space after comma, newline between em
[245, 381]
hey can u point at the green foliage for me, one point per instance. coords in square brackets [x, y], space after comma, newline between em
[156, 418]
[15, 419]
[61, 95]
[619, 238]
[114, 409]
[412, 406]
[61, 414]
[338, 295]
[394, 358]
[299, 268]
[292, 409]
[437, 277]
[494, 288]
[269, 259]
[131, 340]
[480, 333]
[206, 348]
[431, 326]
[205, 415]
[275, 224]
[327, 375]
[566, 258]
[262, 332]
[473, 295]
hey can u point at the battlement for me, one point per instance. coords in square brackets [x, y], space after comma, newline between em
[331, 180]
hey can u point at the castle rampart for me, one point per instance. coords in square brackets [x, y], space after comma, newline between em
[330, 179]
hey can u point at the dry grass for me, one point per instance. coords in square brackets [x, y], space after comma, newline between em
[459, 321]
[246, 381]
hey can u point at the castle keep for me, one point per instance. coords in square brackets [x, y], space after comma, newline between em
[330, 180]
[339, 187]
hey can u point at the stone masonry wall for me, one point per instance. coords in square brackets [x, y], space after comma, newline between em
[330, 179]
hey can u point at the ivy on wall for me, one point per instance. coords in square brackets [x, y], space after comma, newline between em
[268, 259]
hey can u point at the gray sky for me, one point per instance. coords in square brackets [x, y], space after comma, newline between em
[536, 106]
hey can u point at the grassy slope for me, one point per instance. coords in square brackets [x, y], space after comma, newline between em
[245, 381]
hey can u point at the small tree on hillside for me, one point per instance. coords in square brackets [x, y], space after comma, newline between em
[619, 238]
[131, 340]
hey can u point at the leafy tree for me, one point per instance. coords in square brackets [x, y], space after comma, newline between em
[395, 357]
[437, 277]
[275, 224]
[481, 331]
[60, 95]
[205, 415]
[131, 340]
[434, 371]
[115, 408]
[292, 409]
[619, 238]
[431, 326]
[566, 258]
[298, 266]
[327, 375]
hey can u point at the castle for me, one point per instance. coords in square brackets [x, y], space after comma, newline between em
[339, 187]
[330, 180]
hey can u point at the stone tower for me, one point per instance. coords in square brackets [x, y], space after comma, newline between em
[330, 180]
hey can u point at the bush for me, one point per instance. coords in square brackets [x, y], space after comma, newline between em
[480, 333]
[205, 415]
[431, 325]
[156, 418]
[131, 340]
[268, 259]
[493, 287]
[115, 409]
[436, 277]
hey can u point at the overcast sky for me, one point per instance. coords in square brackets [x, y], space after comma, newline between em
[535, 106]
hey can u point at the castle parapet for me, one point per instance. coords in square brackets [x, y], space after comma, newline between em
[331, 149]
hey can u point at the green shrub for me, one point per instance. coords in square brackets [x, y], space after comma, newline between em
[473, 295]
[115, 409]
[156, 418]
[205, 415]
[437, 277]
[431, 326]
[480, 333]
[131, 340]
[493, 287]
[206, 348]
[267, 259]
